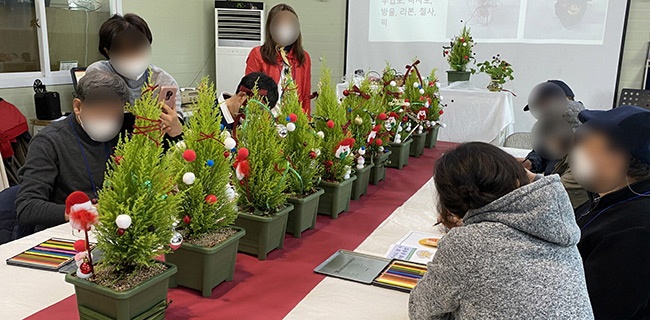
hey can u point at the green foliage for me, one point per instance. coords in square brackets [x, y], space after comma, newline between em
[301, 146]
[328, 108]
[262, 192]
[459, 52]
[358, 118]
[432, 91]
[499, 70]
[203, 134]
[139, 182]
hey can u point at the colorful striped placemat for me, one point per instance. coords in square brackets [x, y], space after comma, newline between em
[49, 255]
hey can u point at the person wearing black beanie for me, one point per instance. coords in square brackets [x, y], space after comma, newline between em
[611, 159]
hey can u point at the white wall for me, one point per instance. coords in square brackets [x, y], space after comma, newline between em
[636, 45]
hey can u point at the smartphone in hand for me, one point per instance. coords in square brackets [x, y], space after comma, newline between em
[167, 95]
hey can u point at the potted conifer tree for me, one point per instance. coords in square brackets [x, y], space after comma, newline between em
[418, 107]
[302, 149]
[393, 120]
[435, 110]
[376, 153]
[137, 205]
[206, 256]
[359, 123]
[336, 149]
[459, 54]
[261, 171]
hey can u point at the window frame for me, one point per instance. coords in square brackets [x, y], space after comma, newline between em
[47, 76]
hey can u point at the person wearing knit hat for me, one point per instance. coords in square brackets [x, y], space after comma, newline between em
[611, 159]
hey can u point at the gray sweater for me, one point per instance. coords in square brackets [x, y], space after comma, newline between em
[515, 258]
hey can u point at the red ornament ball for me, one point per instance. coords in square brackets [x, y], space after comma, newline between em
[330, 124]
[80, 245]
[211, 199]
[465, 57]
[312, 154]
[346, 92]
[120, 232]
[407, 100]
[441, 112]
[329, 163]
[118, 160]
[382, 116]
[187, 219]
[378, 142]
[293, 117]
[189, 155]
[85, 268]
[242, 153]
[226, 154]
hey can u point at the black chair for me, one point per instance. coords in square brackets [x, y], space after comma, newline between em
[635, 97]
[10, 229]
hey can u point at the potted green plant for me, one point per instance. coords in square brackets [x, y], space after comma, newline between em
[356, 102]
[500, 72]
[418, 107]
[205, 242]
[136, 205]
[261, 171]
[302, 150]
[336, 155]
[393, 106]
[459, 54]
[435, 110]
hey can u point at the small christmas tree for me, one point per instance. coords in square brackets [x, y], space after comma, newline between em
[138, 202]
[432, 93]
[260, 163]
[330, 120]
[358, 120]
[459, 52]
[208, 201]
[302, 145]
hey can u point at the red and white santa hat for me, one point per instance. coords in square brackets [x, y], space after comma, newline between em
[81, 211]
[344, 146]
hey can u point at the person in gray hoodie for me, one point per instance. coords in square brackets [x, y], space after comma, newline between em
[515, 255]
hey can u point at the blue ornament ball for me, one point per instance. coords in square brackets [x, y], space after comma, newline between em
[210, 163]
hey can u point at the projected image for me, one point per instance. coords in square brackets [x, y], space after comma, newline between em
[489, 19]
[581, 20]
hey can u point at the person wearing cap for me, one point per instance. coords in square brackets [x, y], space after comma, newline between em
[554, 99]
[71, 154]
[126, 41]
[611, 159]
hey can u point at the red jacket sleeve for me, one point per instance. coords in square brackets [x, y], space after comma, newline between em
[254, 61]
[305, 85]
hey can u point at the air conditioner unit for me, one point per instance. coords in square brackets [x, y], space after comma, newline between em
[239, 27]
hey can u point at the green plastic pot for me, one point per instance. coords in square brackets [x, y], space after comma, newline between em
[360, 186]
[336, 198]
[303, 215]
[263, 234]
[417, 146]
[455, 76]
[148, 300]
[378, 171]
[203, 268]
[432, 138]
[400, 154]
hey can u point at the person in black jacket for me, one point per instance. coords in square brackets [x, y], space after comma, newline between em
[230, 104]
[611, 159]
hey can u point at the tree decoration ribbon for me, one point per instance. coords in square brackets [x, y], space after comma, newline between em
[211, 136]
[413, 67]
[358, 92]
[249, 92]
[150, 88]
[145, 130]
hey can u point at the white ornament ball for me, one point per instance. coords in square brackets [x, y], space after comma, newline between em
[361, 160]
[321, 134]
[464, 44]
[291, 127]
[416, 85]
[188, 178]
[381, 149]
[360, 166]
[123, 221]
[421, 91]
[402, 110]
[362, 152]
[181, 145]
[229, 143]
[317, 152]
[393, 83]
[230, 193]
[441, 98]
[437, 84]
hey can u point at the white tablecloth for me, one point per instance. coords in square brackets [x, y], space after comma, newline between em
[472, 113]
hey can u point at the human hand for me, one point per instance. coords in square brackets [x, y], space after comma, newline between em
[531, 176]
[528, 165]
[171, 124]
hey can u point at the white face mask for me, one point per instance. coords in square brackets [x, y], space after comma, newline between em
[582, 167]
[102, 130]
[132, 68]
[285, 34]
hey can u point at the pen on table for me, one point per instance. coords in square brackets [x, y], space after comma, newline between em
[437, 223]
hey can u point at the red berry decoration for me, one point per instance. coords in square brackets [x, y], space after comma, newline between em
[226, 154]
[379, 142]
[293, 117]
[187, 219]
[80, 245]
[120, 232]
[329, 163]
[118, 160]
[189, 155]
[211, 199]
[85, 268]
[441, 112]
[330, 124]
[346, 92]
[465, 57]
[312, 154]
[242, 153]
[382, 116]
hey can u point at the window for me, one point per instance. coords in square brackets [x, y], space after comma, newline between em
[44, 38]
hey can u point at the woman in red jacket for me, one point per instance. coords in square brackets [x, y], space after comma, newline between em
[282, 53]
